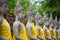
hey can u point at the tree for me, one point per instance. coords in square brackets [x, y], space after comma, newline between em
[51, 6]
[48, 6]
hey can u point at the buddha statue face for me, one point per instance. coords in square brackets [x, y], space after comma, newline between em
[32, 18]
[56, 25]
[51, 23]
[19, 11]
[4, 6]
[21, 14]
[3, 9]
[38, 19]
[30, 15]
[46, 21]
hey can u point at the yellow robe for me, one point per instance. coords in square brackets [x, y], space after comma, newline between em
[5, 30]
[41, 33]
[33, 31]
[48, 35]
[58, 35]
[22, 32]
[53, 34]
[13, 38]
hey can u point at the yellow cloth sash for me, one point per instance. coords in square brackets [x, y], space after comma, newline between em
[5, 30]
[22, 33]
[48, 35]
[41, 33]
[53, 34]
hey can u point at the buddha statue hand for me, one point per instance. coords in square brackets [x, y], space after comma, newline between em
[2, 38]
[19, 39]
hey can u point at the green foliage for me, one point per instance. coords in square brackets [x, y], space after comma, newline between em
[11, 5]
[25, 4]
[49, 6]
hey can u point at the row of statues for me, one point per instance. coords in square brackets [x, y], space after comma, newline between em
[45, 29]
